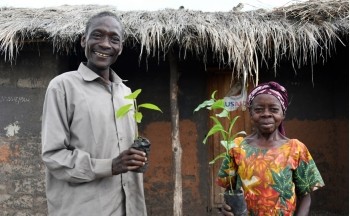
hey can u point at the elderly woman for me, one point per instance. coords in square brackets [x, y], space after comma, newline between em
[276, 173]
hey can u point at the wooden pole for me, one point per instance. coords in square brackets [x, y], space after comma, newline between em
[175, 137]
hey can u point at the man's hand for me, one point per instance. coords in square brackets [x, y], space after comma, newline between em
[128, 160]
[226, 210]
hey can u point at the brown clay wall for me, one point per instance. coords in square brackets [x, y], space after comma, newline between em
[318, 116]
[159, 185]
[328, 143]
[22, 88]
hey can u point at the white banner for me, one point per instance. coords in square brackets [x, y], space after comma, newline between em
[236, 96]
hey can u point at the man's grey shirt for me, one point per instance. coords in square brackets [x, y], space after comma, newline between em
[80, 137]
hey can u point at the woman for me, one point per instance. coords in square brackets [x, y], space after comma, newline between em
[276, 173]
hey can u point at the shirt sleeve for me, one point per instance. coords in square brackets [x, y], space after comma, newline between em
[63, 161]
[306, 176]
[227, 175]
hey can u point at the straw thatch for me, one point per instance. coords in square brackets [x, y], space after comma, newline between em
[303, 32]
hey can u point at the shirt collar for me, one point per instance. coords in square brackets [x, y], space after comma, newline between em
[88, 75]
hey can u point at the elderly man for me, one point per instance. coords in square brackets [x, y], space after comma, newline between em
[85, 148]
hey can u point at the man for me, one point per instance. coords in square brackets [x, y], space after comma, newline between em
[85, 148]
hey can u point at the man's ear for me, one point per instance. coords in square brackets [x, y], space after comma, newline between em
[121, 49]
[83, 41]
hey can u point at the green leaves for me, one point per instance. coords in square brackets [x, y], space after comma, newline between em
[217, 127]
[138, 114]
[217, 106]
[123, 110]
[138, 117]
[211, 104]
[133, 95]
[206, 104]
[222, 155]
[149, 106]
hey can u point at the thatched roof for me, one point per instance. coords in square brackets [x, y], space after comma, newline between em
[301, 32]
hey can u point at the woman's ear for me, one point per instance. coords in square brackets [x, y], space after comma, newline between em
[284, 115]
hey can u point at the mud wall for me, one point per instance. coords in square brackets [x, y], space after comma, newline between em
[318, 116]
[159, 184]
[22, 88]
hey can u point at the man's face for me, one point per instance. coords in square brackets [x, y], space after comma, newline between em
[102, 43]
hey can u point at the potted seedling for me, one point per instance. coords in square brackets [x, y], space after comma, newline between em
[140, 143]
[233, 196]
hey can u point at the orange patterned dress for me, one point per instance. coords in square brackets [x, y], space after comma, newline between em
[271, 178]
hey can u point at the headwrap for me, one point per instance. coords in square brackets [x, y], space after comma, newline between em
[274, 89]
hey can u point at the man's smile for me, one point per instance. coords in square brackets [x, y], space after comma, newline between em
[102, 54]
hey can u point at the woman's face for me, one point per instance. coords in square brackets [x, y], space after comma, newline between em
[266, 113]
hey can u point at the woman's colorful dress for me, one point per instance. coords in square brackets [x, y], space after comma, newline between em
[271, 178]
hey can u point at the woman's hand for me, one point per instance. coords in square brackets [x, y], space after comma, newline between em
[226, 210]
[303, 205]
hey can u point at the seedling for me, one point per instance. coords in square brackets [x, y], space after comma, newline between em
[123, 110]
[140, 143]
[227, 135]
